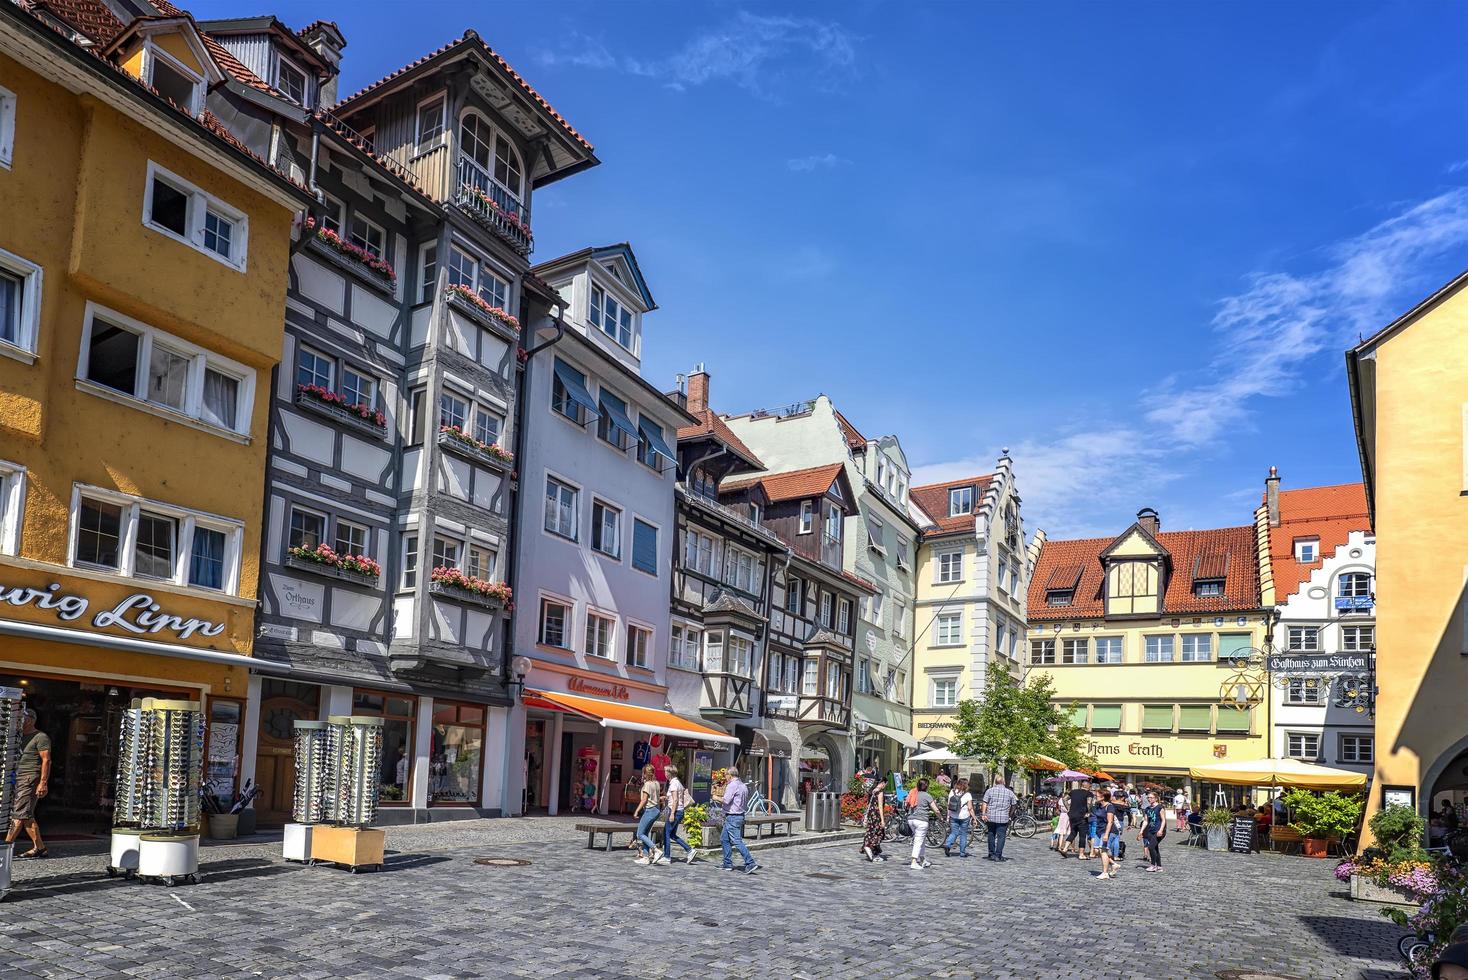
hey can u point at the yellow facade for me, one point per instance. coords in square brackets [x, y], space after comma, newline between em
[1408, 385]
[930, 657]
[73, 200]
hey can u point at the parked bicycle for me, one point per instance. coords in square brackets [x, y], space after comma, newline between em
[760, 804]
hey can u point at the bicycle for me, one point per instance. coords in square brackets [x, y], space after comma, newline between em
[759, 803]
[1024, 825]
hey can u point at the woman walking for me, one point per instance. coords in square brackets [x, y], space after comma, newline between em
[874, 821]
[678, 800]
[647, 814]
[1154, 828]
[960, 812]
[917, 818]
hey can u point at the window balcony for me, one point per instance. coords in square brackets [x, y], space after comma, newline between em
[489, 204]
[460, 443]
[726, 695]
[827, 712]
[314, 400]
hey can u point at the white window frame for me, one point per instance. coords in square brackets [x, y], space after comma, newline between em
[949, 567]
[12, 506]
[1354, 631]
[934, 699]
[281, 61]
[575, 533]
[335, 212]
[960, 501]
[188, 521]
[442, 136]
[410, 569]
[1191, 656]
[1300, 547]
[200, 204]
[153, 53]
[1364, 740]
[613, 624]
[615, 554]
[1302, 736]
[1317, 699]
[201, 360]
[650, 634]
[948, 629]
[610, 295]
[1108, 640]
[371, 225]
[1163, 639]
[1306, 633]
[427, 287]
[569, 629]
[685, 639]
[843, 616]
[807, 517]
[28, 324]
[8, 104]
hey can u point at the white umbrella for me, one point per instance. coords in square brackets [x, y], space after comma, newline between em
[938, 755]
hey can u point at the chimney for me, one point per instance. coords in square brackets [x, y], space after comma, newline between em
[1151, 523]
[326, 39]
[1271, 495]
[698, 389]
[679, 394]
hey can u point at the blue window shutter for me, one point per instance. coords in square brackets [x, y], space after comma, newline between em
[644, 547]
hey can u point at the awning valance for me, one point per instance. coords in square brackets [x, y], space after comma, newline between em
[653, 436]
[611, 714]
[896, 735]
[576, 389]
[1279, 772]
[763, 742]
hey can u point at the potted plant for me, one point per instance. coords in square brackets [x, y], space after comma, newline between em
[1322, 817]
[1215, 825]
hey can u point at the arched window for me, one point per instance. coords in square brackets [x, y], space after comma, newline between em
[1355, 585]
[493, 164]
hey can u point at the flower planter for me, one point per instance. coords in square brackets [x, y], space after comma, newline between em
[329, 571]
[491, 217]
[466, 306]
[1217, 838]
[454, 444]
[1315, 847]
[1363, 889]
[350, 265]
[340, 415]
[465, 596]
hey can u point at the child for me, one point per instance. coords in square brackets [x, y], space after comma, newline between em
[1060, 832]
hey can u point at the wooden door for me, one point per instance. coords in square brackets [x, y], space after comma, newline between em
[275, 766]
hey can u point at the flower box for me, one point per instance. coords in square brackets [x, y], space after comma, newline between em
[321, 242]
[317, 400]
[458, 594]
[330, 569]
[1363, 889]
[508, 226]
[482, 313]
[458, 441]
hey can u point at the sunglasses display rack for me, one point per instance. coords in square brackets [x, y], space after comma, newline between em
[353, 762]
[312, 779]
[160, 763]
[12, 710]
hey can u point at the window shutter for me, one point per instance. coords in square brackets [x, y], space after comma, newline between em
[1231, 645]
[1078, 715]
[1195, 718]
[1106, 717]
[1157, 718]
[644, 546]
[1233, 720]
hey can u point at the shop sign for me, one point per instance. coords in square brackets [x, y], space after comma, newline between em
[614, 691]
[1143, 749]
[781, 702]
[139, 613]
[1293, 663]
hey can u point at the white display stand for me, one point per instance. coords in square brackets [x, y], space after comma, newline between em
[169, 857]
[6, 852]
[297, 845]
[124, 858]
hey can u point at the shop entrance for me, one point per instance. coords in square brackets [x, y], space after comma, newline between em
[282, 703]
[83, 719]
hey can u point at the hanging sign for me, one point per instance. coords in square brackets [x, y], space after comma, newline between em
[1317, 663]
[139, 613]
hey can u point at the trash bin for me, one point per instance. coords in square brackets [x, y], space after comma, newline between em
[822, 812]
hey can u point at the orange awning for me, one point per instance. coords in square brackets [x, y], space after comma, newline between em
[611, 714]
[1044, 763]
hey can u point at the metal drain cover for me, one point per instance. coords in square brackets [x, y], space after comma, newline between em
[501, 862]
[1252, 975]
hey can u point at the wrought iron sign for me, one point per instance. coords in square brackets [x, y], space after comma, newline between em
[1347, 679]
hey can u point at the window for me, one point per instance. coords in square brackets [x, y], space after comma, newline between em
[1355, 585]
[463, 269]
[171, 79]
[638, 640]
[352, 539]
[644, 546]
[1042, 651]
[1303, 745]
[142, 363]
[359, 389]
[999, 634]
[1198, 648]
[1156, 717]
[506, 165]
[1303, 637]
[899, 619]
[481, 562]
[565, 400]
[178, 209]
[807, 515]
[431, 121]
[365, 235]
[1074, 651]
[945, 692]
[291, 81]
[949, 629]
[1106, 717]
[445, 552]
[683, 649]
[833, 522]
[1208, 587]
[410, 561]
[307, 529]
[560, 508]
[314, 369]
[826, 609]
[611, 317]
[1059, 597]
[742, 570]
[1233, 721]
[874, 607]
[428, 271]
[960, 501]
[1108, 650]
[1158, 650]
[20, 298]
[1003, 575]
[331, 213]
[651, 446]
[417, 416]
[794, 594]
[713, 653]
[950, 566]
[1358, 748]
[740, 656]
[494, 290]
[555, 623]
[453, 411]
[810, 683]
[599, 636]
[147, 539]
[1358, 638]
[12, 503]
[606, 529]
[1194, 718]
[7, 127]
[1305, 690]
[1234, 646]
[609, 427]
[1307, 549]
[698, 552]
[843, 617]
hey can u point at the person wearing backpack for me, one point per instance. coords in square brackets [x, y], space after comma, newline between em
[1154, 828]
[960, 815]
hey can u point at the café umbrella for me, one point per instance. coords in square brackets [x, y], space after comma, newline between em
[1068, 776]
[1290, 773]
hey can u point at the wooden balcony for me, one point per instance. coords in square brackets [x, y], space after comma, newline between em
[492, 206]
[827, 712]
[726, 696]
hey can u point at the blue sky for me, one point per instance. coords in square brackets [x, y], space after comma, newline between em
[1128, 242]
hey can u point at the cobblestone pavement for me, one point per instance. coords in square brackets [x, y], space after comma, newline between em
[816, 911]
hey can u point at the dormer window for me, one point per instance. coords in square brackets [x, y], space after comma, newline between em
[291, 81]
[833, 522]
[494, 165]
[611, 317]
[170, 79]
[430, 122]
[807, 515]
[1208, 588]
[1059, 597]
[1307, 549]
[960, 501]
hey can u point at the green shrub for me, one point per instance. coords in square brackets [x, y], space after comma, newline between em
[1398, 830]
[1217, 817]
[1322, 815]
[693, 818]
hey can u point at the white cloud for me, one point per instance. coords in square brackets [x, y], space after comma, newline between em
[1265, 339]
[579, 51]
[820, 161]
[1459, 165]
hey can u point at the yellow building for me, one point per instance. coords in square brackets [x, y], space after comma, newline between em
[1140, 631]
[970, 583]
[1411, 417]
[142, 283]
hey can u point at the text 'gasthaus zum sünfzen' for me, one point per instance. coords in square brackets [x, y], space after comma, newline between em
[138, 613]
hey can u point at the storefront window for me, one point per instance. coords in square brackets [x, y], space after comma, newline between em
[395, 780]
[458, 753]
[223, 766]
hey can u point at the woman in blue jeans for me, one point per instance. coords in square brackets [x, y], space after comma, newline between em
[679, 800]
[647, 814]
[958, 820]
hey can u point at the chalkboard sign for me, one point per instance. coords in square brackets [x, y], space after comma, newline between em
[1241, 831]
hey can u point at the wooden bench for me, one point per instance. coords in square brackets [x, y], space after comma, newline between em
[611, 828]
[773, 823]
[1285, 838]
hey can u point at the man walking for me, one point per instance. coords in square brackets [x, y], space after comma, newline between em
[1078, 816]
[995, 812]
[32, 775]
[736, 795]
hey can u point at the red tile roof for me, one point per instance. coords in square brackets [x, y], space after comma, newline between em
[932, 500]
[710, 424]
[1327, 513]
[854, 439]
[470, 37]
[795, 485]
[1233, 547]
[90, 17]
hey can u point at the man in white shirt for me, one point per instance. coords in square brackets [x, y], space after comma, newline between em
[1180, 804]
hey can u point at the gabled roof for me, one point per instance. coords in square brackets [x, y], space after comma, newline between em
[710, 426]
[932, 499]
[601, 253]
[797, 484]
[1189, 550]
[854, 439]
[269, 24]
[1328, 513]
[1146, 535]
[90, 17]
